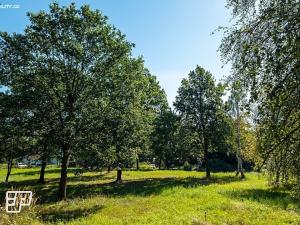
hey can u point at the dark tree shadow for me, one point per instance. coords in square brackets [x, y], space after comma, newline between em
[47, 193]
[270, 197]
[28, 185]
[61, 214]
[84, 178]
[37, 172]
[143, 187]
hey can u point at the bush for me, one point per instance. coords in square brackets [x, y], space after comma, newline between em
[296, 191]
[187, 166]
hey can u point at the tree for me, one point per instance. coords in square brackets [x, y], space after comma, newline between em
[263, 48]
[64, 57]
[163, 137]
[133, 102]
[200, 106]
[235, 102]
[14, 143]
[86, 92]
[44, 146]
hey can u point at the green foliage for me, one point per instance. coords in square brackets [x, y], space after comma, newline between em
[263, 47]
[88, 97]
[201, 110]
[164, 138]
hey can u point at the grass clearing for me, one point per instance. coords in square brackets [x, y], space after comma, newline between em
[151, 197]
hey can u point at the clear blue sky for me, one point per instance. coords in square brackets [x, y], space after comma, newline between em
[173, 36]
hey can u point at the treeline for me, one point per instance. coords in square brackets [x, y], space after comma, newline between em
[76, 93]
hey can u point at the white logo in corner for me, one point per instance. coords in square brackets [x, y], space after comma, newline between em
[16, 199]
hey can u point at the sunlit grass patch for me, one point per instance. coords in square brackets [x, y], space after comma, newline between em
[153, 197]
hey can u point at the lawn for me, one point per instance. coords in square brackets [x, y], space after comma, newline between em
[151, 197]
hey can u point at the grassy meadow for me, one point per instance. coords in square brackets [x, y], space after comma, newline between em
[150, 197]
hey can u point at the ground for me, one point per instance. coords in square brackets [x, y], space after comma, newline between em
[150, 197]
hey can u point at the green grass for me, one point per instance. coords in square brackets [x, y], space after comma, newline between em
[151, 197]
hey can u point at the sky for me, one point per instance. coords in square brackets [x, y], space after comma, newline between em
[173, 36]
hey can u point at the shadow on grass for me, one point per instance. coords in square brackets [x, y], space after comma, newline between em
[37, 171]
[47, 193]
[42, 193]
[143, 187]
[270, 197]
[62, 214]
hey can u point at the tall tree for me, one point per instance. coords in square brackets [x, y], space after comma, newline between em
[200, 106]
[133, 102]
[236, 99]
[263, 48]
[64, 56]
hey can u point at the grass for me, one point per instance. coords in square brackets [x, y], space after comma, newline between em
[151, 197]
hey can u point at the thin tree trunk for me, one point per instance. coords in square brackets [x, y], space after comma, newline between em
[119, 168]
[9, 163]
[43, 167]
[238, 153]
[278, 166]
[159, 163]
[108, 168]
[137, 164]
[9, 166]
[277, 178]
[119, 174]
[240, 169]
[66, 148]
[62, 195]
[206, 160]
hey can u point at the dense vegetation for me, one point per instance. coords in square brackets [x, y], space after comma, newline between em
[75, 93]
[263, 47]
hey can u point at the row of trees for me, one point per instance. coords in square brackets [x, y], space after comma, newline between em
[203, 125]
[74, 89]
[75, 92]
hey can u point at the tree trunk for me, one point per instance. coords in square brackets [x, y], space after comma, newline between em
[108, 168]
[206, 160]
[119, 168]
[9, 166]
[238, 153]
[277, 176]
[137, 164]
[62, 194]
[43, 167]
[119, 174]
[240, 167]
[159, 163]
